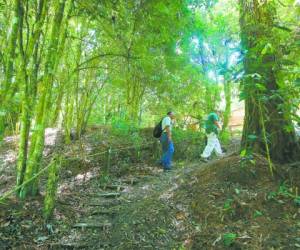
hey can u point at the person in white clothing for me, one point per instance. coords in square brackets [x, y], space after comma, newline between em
[211, 129]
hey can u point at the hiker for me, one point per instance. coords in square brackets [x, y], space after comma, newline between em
[166, 141]
[211, 129]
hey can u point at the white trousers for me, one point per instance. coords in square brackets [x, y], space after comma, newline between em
[212, 144]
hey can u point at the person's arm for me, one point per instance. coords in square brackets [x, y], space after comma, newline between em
[217, 124]
[169, 134]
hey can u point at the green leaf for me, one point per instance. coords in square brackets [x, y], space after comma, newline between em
[227, 204]
[15, 20]
[2, 112]
[243, 96]
[229, 239]
[267, 49]
[297, 200]
[41, 239]
[260, 87]
[297, 82]
[243, 153]
[257, 213]
[255, 76]
[237, 191]
[252, 137]
[271, 195]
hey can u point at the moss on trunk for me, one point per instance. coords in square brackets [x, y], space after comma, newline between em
[53, 177]
[261, 87]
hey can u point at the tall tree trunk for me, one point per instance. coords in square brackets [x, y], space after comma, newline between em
[227, 92]
[264, 102]
[7, 87]
[38, 137]
[28, 77]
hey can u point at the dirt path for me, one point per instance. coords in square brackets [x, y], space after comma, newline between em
[114, 213]
[134, 209]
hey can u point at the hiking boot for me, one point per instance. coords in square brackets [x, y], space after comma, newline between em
[204, 159]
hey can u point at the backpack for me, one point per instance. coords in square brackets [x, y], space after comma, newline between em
[157, 131]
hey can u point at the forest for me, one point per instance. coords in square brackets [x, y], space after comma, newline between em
[84, 85]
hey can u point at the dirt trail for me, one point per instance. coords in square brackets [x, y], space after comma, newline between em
[228, 203]
[114, 215]
[196, 206]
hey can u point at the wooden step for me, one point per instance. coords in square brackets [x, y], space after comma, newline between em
[92, 225]
[108, 195]
[113, 187]
[104, 212]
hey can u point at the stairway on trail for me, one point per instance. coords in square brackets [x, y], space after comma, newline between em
[93, 230]
[101, 208]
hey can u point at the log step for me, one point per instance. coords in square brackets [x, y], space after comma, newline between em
[105, 195]
[103, 212]
[112, 187]
[92, 225]
[108, 195]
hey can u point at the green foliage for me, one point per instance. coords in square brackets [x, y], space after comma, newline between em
[123, 127]
[228, 204]
[225, 137]
[247, 157]
[188, 135]
[229, 239]
[297, 201]
[228, 207]
[257, 213]
[104, 179]
[286, 192]
[126, 131]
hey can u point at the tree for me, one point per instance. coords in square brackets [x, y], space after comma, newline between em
[267, 125]
[37, 139]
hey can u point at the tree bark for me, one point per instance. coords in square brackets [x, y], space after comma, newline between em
[227, 112]
[6, 87]
[28, 78]
[38, 137]
[260, 86]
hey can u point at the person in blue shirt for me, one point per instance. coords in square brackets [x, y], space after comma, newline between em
[211, 129]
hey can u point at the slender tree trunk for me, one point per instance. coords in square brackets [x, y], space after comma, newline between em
[52, 183]
[68, 118]
[227, 113]
[7, 87]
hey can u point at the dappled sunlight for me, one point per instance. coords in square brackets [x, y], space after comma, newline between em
[78, 180]
[11, 139]
[51, 136]
[168, 194]
[9, 157]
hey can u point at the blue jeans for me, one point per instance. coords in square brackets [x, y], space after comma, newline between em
[168, 151]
